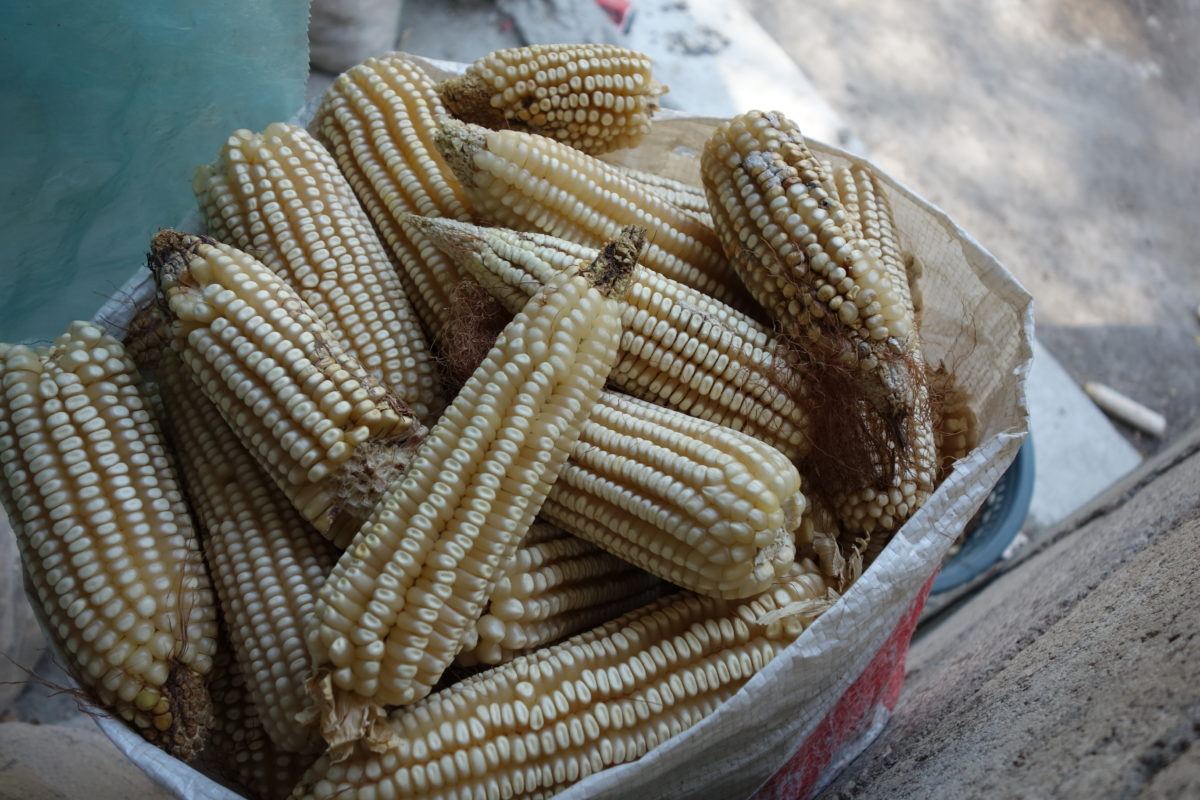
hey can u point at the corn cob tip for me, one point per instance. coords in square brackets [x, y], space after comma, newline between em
[612, 271]
[458, 143]
[170, 251]
[181, 720]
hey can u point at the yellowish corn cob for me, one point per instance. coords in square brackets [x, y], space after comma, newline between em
[775, 209]
[869, 216]
[532, 183]
[378, 120]
[606, 697]
[279, 195]
[955, 425]
[593, 97]
[679, 347]
[326, 432]
[267, 563]
[690, 198]
[241, 752]
[404, 597]
[116, 569]
[555, 586]
[704, 507]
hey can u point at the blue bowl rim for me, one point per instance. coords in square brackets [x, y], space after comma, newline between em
[986, 545]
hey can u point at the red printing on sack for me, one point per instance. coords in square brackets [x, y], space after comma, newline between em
[849, 719]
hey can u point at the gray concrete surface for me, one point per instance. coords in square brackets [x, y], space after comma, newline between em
[1061, 135]
[1072, 676]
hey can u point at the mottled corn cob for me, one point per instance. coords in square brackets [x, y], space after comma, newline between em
[775, 209]
[114, 565]
[532, 183]
[548, 719]
[267, 563]
[279, 195]
[402, 600]
[329, 435]
[378, 120]
[146, 337]
[555, 586]
[593, 97]
[683, 195]
[241, 752]
[679, 347]
[704, 507]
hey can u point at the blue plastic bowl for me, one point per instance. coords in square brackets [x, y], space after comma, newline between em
[996, 524]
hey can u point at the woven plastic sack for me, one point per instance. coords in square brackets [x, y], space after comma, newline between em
[796, 724]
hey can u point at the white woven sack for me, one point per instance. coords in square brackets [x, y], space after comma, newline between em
[979, 321]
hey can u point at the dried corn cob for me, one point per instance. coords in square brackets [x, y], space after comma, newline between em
[955, 426]
[704, 507]
[593, 97]
[679, 347]
[775, 210]
[402, 600]
[267, 563]
[117, 571]
[279, 195]
[378, 120]
[683, 195]
[555, 586]
[532, 183]
[869, 217]
[326, 432]
[241, 751]
[146, 337]
[605, 697]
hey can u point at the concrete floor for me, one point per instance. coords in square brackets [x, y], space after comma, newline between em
[1061, 135]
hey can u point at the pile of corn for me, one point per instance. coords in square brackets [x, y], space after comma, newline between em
[274, 534]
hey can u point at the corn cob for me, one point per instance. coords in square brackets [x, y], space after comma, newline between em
[593, 97]
[955, 426]
[775, 210]
[606, 697]
[329, 435]
[279, 195]
[679, 348]
[242, 752]
[682, 195]
[116, 570]
[704, 507]
[404, 597]
[266, 562]
[146, 337]
[532, 183]
[378, 121]
[869, 217]
[555, 587]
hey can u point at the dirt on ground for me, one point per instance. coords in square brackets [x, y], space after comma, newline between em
[1061, 135]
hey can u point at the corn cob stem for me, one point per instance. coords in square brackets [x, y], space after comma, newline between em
[404, 597]
[266, 562]
[279, 195]
[532, 183]
[114, 563]
[679, 348]
[378, 121]
[555, 586]
[606, 697]
[592, 97]
[329, 435]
